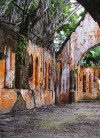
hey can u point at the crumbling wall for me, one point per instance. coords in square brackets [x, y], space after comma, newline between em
[7, 70]
[41, 72]
[41, 91]
[41, 82]
[88, 88]
[84, 37]
[63, 75]
[8, 95]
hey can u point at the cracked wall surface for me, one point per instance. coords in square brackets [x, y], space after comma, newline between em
[41, 80]
[85, 37]
[88, 88]
[42, 76]
[8, 95]
[43, 89]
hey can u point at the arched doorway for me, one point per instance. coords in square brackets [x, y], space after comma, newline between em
[85, 36]
[89, 64]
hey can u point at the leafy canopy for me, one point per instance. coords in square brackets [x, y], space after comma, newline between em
[92, 58]
[40, 19]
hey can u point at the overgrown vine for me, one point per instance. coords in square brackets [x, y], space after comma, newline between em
[21, 48]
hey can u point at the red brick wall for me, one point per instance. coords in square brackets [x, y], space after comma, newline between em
[39, 82]
[7, 96]
[85, 37]
[43, 89]
[91, 85]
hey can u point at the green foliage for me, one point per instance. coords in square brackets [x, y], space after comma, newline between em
[7, 6]
[33, 5]
[21, 48]
[27, 15]
[67, 28]
[92, 58]
[66, 11]
[2, 2]
[59, 39]
[55, 6]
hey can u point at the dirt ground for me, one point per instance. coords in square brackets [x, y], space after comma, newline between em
[79, 120]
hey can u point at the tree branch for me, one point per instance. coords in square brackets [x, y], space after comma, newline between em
[58, 15]
[74, 11]
[36, 19]
[14, 3]
[35, 34]
[68, 17]
[6, 22]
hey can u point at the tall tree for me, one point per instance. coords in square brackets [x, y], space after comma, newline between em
[37, 20]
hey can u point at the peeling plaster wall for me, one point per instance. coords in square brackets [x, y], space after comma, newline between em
[37, 96]
[9, 68]
[92, 83]
[7, 96]
[2, 73]
[42, 96]
[64, 79]
[85, 36]
[63, 83]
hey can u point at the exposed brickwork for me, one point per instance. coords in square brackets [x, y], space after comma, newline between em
[42, 76]
[7, 75]
[2, 73]
[88, 88]
[85, 37]
[7, 69]
[40, 80]
[7, 100]
[63, 83]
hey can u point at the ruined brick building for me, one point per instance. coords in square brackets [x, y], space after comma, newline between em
[87, 83]
[46, 85]
[70, 76]
[40, 76]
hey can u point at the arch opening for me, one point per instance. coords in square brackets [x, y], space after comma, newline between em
[90, 52]
[89, 74]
